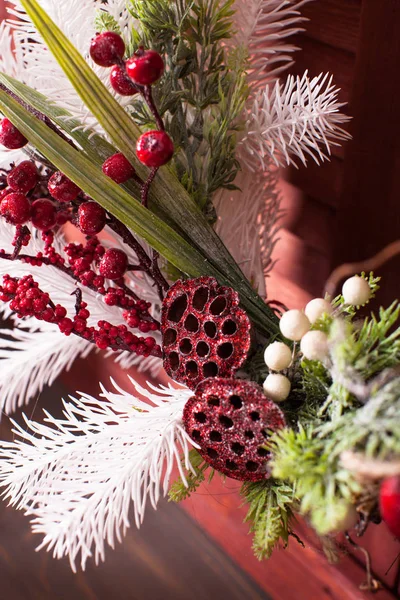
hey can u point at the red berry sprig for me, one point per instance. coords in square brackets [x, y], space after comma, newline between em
[154, 148]
[136, 75]
[10, 136]
[107, 49]
[26, 299]
[15, 208]
[145, 67]
[118, 168]
[23, 177]
[62, 188]
[121, 83]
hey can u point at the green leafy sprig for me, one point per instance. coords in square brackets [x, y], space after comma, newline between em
[202, 94]
[270, 514]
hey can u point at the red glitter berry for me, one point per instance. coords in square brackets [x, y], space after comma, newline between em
[44, 214]
[205, 333]
[121, 83]
[10, 136]
[107, 48]
[113, 264]
[389, 504]
[62, 188]
[91, 218]
[145, 67]
[229, 419]
[23, 177]
[154, 148]
[118, 168]
[15, 208]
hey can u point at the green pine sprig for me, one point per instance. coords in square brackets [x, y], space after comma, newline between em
[270, 514]
[178, 490]
[202, 94]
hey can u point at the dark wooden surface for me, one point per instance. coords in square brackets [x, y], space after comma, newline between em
[169, 558]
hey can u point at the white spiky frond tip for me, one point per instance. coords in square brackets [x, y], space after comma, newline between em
[298, 119]
[248, 222]
[33, 64]
[30, 360]
[79, 476]
[263, 27]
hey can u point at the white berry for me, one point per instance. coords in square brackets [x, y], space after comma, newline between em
[277, 387]
[356, 291]
[278, 356]
[314, 345]
[316, 308]
[294, 324]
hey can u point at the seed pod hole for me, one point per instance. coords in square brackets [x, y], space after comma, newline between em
[251, 466]
[174, 360]
[169, 337]
[231, 465]
[210, 329]
[200, 298]
[200, 417]
[213, 401]
[226, 422]
[210, 369]
[236, 401]
[196, 435]
[218, 305]
[225, 350]
[178, 308]
[185, 346]
[237, 448]
[215, 436]
[191, 369]
[202, 349]
[229, 327]
[212, 453]
[191, 323]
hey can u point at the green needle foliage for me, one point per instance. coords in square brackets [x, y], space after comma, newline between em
[270, 514]
[179, 491]
[202, 94]
[325, 490]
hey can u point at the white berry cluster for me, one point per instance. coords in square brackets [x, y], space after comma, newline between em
[295, 325]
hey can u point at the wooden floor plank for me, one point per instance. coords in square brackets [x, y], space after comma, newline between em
[169, 558]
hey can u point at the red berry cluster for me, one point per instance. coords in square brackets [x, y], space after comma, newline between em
[23, 200]
[28, 300]
[135, 75]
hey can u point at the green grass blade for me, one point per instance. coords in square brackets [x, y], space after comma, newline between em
[167, 194]
[107, 193]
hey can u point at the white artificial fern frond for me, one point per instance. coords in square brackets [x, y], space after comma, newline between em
[79, 476]
[34, 65]
[263, 27]
[298, 119]
[30, 360]
[248, 222]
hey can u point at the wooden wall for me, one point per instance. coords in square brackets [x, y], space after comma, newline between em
[348, 209]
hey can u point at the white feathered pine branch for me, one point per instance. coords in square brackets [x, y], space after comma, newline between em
[298, 119]
[79, 476]
[29, 360]
[263, 27]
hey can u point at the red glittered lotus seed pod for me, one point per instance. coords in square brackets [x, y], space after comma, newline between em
[230, 419]
[205, 333]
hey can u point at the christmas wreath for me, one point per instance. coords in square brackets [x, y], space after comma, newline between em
[140, 150]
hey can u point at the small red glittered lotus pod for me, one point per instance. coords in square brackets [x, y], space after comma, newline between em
[230, 419]
[205, 333]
